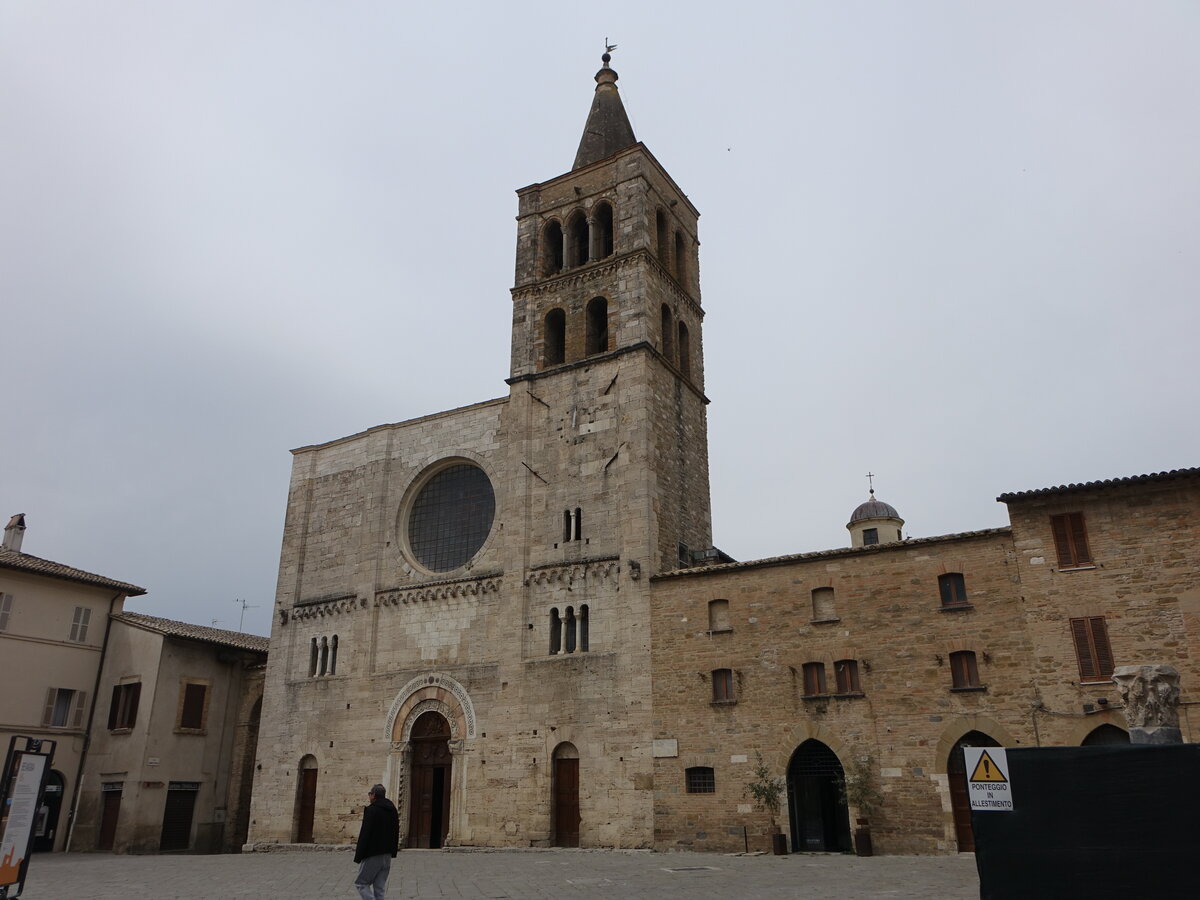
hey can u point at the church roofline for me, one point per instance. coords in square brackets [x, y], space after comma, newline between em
[827, 554]
[1172, 475]
[624, 151]
[387, 425]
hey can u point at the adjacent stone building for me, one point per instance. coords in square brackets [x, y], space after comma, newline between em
[511, 614]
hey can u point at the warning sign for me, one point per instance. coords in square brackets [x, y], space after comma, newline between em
[987, 778]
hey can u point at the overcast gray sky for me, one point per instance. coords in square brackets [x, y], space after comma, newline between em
[952, 243]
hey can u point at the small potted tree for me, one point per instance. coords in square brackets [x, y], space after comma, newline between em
[860, 792]
[767, 791]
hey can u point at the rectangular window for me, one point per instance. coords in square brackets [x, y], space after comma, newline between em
[701, 780]
[822, 604]
[964, 671]
[870, 536]
[123, 711]
[1070, 541]
[814, 679]
[685, 556]
[722, 685]
[1092, 648]
[79, 625]
[718, 615]
[953, 588]
[846, 672]
[192, 707]
[64, 708]
[6, 603]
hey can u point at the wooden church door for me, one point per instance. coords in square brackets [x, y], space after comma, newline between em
[566, 796]
[429, 797]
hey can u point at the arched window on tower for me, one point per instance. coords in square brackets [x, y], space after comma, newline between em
[555, 632]
[583, 628]
[569, 627]
[577, 240]
[578, 524]
[597, 326]
[554, 338]
[668, 334]
[313, 657]
[680, 260]
[685, 351]
[602, 236]
[552, 248]
[333, 647]
[324, 656]
[660, 233]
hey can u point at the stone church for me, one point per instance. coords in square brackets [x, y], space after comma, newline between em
[512, 615]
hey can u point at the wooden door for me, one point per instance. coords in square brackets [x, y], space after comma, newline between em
[429, 796]
[177, 820]
[566, 802]
[108, 820]
[960, 795]
[307, 806]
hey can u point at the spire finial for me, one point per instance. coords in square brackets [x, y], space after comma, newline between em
[608, 49]
[871, 482]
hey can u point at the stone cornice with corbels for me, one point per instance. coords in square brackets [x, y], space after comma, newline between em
[446, 590]
[316, 609]
[569, 573]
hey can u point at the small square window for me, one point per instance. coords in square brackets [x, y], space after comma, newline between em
[870, 536]
[701, 780]
[722, 685]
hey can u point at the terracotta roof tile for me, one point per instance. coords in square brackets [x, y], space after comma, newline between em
[171, 628]
[1108, 482]
[23, 562]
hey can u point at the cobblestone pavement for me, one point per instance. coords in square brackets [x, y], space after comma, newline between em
[511, 874]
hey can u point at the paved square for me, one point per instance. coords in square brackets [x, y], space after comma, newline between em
[502, 875]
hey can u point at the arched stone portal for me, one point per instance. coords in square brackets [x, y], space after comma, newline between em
[960, 799]
[817, 800]
[413, 756]
[306, 799]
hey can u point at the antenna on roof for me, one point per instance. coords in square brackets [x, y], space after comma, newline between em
[245, 606]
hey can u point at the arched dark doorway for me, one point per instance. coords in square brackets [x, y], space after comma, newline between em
[816, 801]
[45, 824]
[565, 789]
[960, 799]
[306, 800]
[429, 798]
[1106, 735]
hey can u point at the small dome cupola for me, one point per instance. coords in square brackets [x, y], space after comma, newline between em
[875, 522]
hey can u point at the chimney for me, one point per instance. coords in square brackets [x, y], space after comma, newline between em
[14, 533]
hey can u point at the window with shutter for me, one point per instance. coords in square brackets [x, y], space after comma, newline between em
[123, 711]
[964, 670]
[953, 588]
[846, 673]
[814, 679]
[722, 685]
[6, 604]
[191, 712]
[1070, 541]
[1092, 649]
[79, 625]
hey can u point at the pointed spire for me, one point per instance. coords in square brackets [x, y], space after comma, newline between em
[607, 129]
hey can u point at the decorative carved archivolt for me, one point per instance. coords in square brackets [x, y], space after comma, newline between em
[425, 593]
[432, 688]
[568, 574]
[334, 607]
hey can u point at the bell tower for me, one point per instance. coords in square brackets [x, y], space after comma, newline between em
[607, 371]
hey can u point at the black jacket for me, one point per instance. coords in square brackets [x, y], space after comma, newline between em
[380, 832]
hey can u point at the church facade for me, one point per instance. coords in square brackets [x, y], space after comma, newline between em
[511, 614]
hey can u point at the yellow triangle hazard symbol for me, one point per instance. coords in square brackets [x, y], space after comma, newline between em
[987, 770]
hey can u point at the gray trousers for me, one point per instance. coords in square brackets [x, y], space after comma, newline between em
[372, 877]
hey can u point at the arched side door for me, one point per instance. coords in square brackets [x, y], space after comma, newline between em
[817, 808]
[565, 789]
[960, 797]
[306, 800]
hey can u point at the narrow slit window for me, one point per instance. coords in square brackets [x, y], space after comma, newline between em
[333, 649]
[555, 632]
[578, 523]
[569, 627]
[668, 334]
[583, 628]
[685, 351]
[554, 338]
[314, 654]
[566, 526]
[324, 656]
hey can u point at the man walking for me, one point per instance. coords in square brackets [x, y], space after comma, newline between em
[378, 840]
